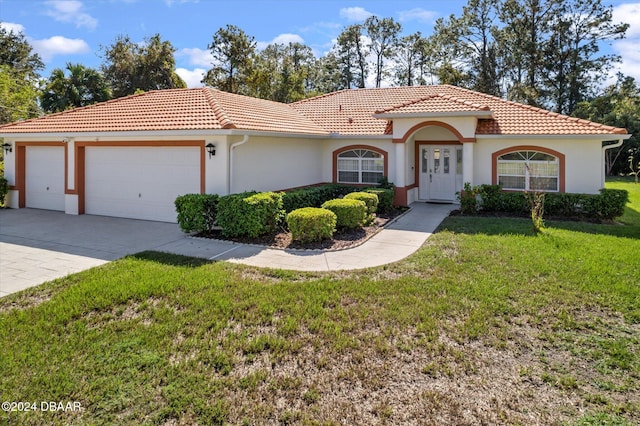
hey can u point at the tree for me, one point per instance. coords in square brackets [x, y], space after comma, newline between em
[83, 86]
[232, 50]
[130, 67]
[281, 72]
[351, 53]
[19, 74]
[16, 53]
[573, 68]
[527, 27]
[407, 59]
[383, 35]
[618, 105]
[326, 76]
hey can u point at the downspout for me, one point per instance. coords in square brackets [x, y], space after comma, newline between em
[604, 158]
[244, 140]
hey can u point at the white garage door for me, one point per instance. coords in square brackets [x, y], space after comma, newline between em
[44, 177]
[139, 182]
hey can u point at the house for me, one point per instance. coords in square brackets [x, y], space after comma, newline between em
[131, 157]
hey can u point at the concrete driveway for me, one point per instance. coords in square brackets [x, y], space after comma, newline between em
[40, 245]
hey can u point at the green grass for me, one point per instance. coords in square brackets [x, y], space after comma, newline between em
[487, 323]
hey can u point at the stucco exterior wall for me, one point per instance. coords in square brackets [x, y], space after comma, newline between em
[272, 163]
[465, 125]
[583, 160]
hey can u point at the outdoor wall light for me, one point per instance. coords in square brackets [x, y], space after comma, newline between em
[211, 149]
[7, 147]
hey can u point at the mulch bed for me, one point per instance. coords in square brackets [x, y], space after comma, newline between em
[341, 239]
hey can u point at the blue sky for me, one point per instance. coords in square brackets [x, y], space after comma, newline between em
[64, 31]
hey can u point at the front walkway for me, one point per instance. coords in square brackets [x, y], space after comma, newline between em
[40, 245]
[393, 243]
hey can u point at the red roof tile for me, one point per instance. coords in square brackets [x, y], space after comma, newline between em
[179, 109]
[348, 112]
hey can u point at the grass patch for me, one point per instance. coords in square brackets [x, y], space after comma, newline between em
[548, 327]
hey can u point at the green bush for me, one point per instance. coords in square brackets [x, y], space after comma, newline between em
[370, 200]
[4, 189]
[468, 201]
[349, 213]
[607, 205]
[314, 196]
[250, 214]
[197, 212]
[311, 224]
[385, 198]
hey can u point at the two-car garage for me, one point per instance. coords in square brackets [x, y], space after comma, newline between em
[138, 181]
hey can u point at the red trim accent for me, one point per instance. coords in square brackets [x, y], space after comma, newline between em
[400, 196]
[449, 127]
[559, 155]
[385, 157]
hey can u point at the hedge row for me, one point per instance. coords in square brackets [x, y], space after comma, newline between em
[253, 214]
[607, 205]
[315, 196]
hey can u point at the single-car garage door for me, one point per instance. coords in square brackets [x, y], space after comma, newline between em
[44, 177]
[139, 182]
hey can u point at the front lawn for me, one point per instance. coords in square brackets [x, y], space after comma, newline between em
[486, 324]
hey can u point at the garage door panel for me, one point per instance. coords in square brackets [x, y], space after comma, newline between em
[44, 177]
[139, 182]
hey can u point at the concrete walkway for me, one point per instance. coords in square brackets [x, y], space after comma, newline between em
[39, 245]
[393, 243]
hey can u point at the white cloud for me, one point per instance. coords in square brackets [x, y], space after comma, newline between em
[628, 47]
[57, 45]
[281, 39]
[193, 77]
[417, 14]
[10, 26]
[70, 11]
[197, 57]
[354, 14]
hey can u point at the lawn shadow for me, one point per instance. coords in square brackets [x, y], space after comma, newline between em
[170, 259]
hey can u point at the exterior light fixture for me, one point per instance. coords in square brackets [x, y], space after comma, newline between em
[7, 147]
[211, 149]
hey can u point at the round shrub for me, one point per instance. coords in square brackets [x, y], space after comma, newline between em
[371, 200]
[385, 198]
[311, 224]
[350, 213]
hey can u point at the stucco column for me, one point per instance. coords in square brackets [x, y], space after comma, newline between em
[70, 191]
[401, 168]
[467, 162]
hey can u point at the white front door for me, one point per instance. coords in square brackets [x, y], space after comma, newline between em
[439, 165]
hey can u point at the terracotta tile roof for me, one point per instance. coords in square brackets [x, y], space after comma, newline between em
[348, 112]
[436, 103]
[179, 109]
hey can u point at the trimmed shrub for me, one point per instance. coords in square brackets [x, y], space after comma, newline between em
[468, 201]
[371, 200]
[349, 213]
[314, 196]
[385, 198]
[197, 212]
[250, 214]
[607, 205]
[311, 224]
[4, 189]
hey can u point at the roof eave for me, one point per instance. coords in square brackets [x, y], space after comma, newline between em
[595, 136]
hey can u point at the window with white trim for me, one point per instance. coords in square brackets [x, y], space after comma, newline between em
[360, 166]
[529, 171]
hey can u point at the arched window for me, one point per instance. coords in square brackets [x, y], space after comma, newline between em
[360, 166]
[528, 171]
